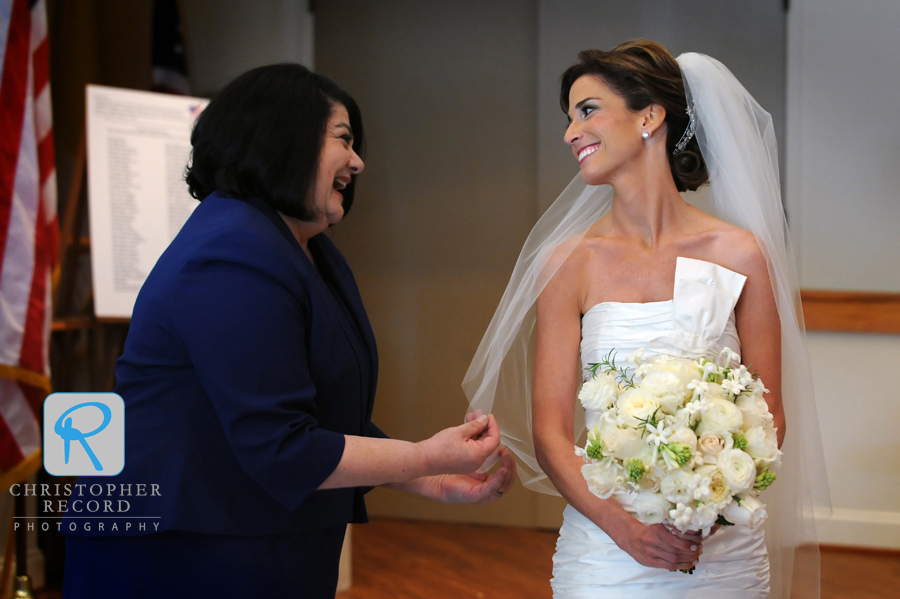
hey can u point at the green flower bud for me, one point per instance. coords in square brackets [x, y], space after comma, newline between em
[740, 442]
[764, 479]
[679, 452]
[635, 470]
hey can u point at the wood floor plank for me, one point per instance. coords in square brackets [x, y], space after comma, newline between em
[395, 559]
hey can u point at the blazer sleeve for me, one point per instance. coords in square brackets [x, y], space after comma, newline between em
[374, 431]
[246, 335]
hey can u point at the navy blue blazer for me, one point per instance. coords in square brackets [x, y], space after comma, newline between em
[243, 368]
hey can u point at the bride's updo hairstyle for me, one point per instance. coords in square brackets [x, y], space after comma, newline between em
[644, 73]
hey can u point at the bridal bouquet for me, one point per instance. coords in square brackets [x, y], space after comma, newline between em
[693, 441]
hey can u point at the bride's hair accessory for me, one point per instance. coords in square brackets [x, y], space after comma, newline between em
[689, 131]
[736, 135]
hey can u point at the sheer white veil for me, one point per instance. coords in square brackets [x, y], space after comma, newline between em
[737, 141]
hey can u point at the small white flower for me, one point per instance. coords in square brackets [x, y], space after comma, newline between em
[728, 358]
[681, 516]
[732, 386]
[742, 375]
[702, 492]
[637, 357]
[658, 434]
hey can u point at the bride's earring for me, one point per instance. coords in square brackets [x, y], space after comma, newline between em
[645, 135]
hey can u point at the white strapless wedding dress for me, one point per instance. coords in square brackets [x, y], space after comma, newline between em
[697, 323]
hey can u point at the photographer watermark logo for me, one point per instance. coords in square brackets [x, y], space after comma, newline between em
[84, 434]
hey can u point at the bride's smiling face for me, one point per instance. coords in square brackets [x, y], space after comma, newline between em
[603, 132]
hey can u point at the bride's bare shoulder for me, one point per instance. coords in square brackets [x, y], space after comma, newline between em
[731, 246]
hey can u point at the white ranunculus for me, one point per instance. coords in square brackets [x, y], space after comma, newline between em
[651, 508]
[738, 469]
[719, 491]
[599, 393]
[635, 406]
[603, 478]
[755, 411]
[623, 443]
[722, 416]
[678, 486]
[665, 388]
[712, 443]
[749, 512]
[682, 434]
[762, 444]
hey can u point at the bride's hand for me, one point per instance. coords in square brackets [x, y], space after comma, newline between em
[656, 546]
[477, 487]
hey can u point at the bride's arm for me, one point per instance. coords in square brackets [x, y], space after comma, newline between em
[553, 412]
[759, 329]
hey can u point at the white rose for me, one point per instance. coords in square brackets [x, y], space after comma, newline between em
[749, 512]
[634, 406]
[599, 393]
[738, 469]
[603, 478]
[762, 444]
[651, 508]
[754, 410]
[712, 443]
[722, 416]
[678, 487]
[623, 443]
[719, 491]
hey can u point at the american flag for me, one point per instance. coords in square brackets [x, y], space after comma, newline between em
[29, 247]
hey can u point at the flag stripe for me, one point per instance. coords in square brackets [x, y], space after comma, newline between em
[13, 84]
[41, 58]
[32, 351]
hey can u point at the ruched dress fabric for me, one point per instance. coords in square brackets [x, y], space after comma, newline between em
[698, 322]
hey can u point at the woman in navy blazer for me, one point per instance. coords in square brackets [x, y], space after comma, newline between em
[249, 374]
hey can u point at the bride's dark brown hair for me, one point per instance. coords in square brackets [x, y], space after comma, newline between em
[644, 73]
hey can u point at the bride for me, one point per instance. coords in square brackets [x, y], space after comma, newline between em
[622, 262]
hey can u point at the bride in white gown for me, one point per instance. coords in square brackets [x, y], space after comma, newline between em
[622, 262]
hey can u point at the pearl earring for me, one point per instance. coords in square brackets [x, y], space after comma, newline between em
[645, 135]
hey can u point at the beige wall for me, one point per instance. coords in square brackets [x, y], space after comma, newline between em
[843, 191]
[447, 92]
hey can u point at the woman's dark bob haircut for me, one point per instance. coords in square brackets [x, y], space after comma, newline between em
[261, 137]
[644, 73]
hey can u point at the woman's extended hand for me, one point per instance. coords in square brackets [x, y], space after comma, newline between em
[461, 448]
[476, 487]
[656, 546]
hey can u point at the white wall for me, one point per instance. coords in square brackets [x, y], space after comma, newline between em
[843, 187]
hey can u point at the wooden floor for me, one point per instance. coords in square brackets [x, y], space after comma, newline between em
[395, 559]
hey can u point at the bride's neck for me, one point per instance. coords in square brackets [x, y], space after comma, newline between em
[646, 207]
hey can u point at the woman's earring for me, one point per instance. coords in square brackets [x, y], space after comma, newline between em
[645, 135]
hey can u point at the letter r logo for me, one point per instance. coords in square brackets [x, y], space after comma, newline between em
[84, 434]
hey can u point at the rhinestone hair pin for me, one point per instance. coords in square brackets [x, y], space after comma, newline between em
[689, 132]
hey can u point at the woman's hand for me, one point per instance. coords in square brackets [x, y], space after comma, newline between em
[476, 487]
[461, 448]
[656, 546]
